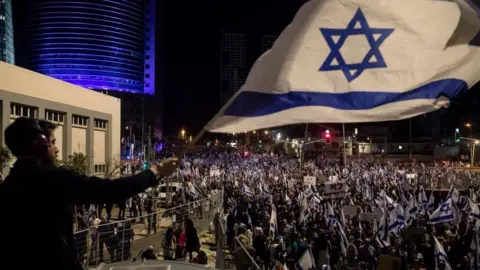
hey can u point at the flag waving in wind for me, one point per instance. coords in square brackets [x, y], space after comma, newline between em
[359, 61]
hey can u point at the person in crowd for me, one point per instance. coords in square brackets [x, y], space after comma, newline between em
[192, 240]
[181, 238]
[169, 244]
[35, 181]
[201, 258]
[149, 254]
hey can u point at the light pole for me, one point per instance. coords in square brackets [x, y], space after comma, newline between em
[472, 145]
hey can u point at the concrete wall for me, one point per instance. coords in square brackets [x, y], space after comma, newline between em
[23, 92]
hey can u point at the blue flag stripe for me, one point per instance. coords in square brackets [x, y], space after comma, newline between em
[252, 104]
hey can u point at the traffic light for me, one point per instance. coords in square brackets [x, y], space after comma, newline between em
[145, 165]
[458, 140]
[328, 138]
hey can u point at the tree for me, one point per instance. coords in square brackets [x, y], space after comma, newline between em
[114, 167]
[77, 162]
[6, 158]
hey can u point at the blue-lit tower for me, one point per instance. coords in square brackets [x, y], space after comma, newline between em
[105, 45]
[7, 52]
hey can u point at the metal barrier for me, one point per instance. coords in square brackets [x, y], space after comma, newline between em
[243, 259]
[220, 240]
[121, 240]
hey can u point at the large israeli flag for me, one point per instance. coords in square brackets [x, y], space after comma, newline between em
[359, 61]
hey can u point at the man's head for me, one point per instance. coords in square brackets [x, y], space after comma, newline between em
[31, 137]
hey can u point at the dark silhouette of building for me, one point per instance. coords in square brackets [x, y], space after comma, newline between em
[7, 52]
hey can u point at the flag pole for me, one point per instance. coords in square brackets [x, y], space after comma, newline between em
[204, 129]
[344, 152]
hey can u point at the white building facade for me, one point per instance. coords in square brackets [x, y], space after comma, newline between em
[87, 122]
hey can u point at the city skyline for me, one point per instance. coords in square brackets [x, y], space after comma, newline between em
[188, 61]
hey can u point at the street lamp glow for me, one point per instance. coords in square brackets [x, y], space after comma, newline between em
[279, 136]
[254, 132]
[468, 125]
[457, 130]
[183, 132]
[327, 131]
[266, 132]
[477, 142]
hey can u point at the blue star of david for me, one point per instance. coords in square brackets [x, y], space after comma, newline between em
[445, 208]
[335, 39]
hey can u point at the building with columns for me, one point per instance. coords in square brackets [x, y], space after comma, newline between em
[88, 121]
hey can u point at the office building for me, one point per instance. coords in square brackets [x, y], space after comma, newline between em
[107, 46]
[98, 45]
[88, 122]
[7, 52]
[233, 64]
[267, 42]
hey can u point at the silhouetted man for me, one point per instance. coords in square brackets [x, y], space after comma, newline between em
[36, 198]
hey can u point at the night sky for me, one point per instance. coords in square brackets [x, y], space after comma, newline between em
[191, 50]
[188, 57]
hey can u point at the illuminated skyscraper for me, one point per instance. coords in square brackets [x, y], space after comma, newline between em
[104, 45]
[7, 52]
[233, 58]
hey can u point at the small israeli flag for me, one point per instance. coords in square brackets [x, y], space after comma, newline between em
[440, 255]
[332, 219]
[444, 213]
[247, 191]
[306, 262]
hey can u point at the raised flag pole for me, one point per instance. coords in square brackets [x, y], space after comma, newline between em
[344, 152]
[204, 129]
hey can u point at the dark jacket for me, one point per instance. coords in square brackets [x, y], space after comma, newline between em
[37, 214]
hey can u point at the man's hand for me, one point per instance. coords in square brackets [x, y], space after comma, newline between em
[166, 167]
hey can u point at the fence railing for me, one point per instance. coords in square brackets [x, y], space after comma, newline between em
[127, 239]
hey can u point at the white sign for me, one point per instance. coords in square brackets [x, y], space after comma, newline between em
[310, 180]
[332, 178]
[336, 189]
[411, 176]
[350, 211]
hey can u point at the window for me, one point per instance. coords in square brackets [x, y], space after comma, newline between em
[147, 75]
[147, 85]
[100, 124]
[147, 66]
[79, 120]
[18, 110]
[53, 116]
[100, 168]
[147, 56]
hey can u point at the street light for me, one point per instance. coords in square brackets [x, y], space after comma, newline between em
[182, 132]
[472, 146]
[266, 132]
[254, 132]
[279, 136]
